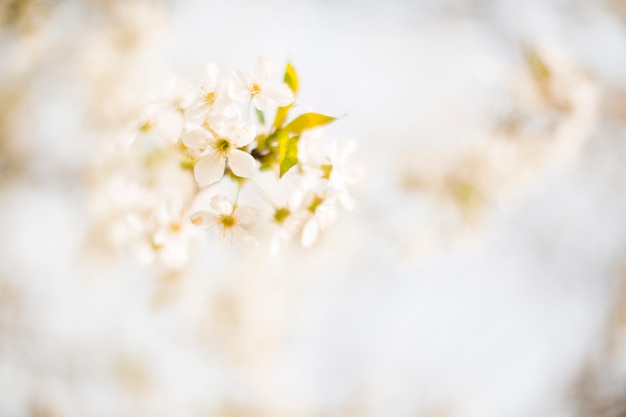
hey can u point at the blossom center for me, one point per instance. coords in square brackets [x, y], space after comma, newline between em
[227, 221]
[146, 126]
[210, 98]
[281, 214]
[222, 145]
[255, 89]
[327, 170]
[317, 201]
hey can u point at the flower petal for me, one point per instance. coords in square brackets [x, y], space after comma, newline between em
[224, 112]
[245, 238]
[196, 138]
[209, 169]
[346, 200]
[196, 111]
[279, 94]
[263, 103]
[264, 69]
[238, 87]
[221, 204]
[242, 134]
[275, 245]
[310, 231]
[224, 236]
[246, 214]
[326, 213]
[241, 163]
[209, 77]
[203, 219]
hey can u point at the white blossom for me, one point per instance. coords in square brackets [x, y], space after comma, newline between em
[256, 86]
[212, 103]
[219, 146]
[228, 220]
[322, 212]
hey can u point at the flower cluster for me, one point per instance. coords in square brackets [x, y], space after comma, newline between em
[202, 152]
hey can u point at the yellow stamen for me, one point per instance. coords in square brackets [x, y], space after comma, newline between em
[147, 126]
[281, 214]
[210, 98]
[222, 145]
[327, 170]
[227, 221]
[255, 89]
[317, 200]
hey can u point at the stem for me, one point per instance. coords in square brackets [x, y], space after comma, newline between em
[250, 106]
[263, 194]
[213, 132]
[237, 195]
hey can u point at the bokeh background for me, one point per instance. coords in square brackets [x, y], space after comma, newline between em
[481, 274]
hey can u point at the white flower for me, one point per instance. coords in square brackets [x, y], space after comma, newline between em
[158, 126]
[342, 172]
[333, 160]
[218, 147]
[287, 223]
[228, 220]
[323, 212]
[211, 103]
[179, 94]
[256, 86]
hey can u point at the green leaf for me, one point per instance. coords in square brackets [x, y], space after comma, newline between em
[261, 116]
[281, 115]
[288, 152]
[291, 78]
[277, 143]
[282, 138]
[308, 121]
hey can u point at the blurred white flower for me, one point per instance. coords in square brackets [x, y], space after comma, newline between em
[179, 94]
[339, 168]
[172, 236]
[328, 166]
[288, 221]
[219, 146]
[158, 126]
[211, 103]
[228, 220]
[257, 87]
[322, 213]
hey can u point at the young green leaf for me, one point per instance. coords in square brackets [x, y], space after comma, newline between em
[260, 116]
[291, 78]
[308, 121]
[288, 151]
[281, 116]
[281, 137]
